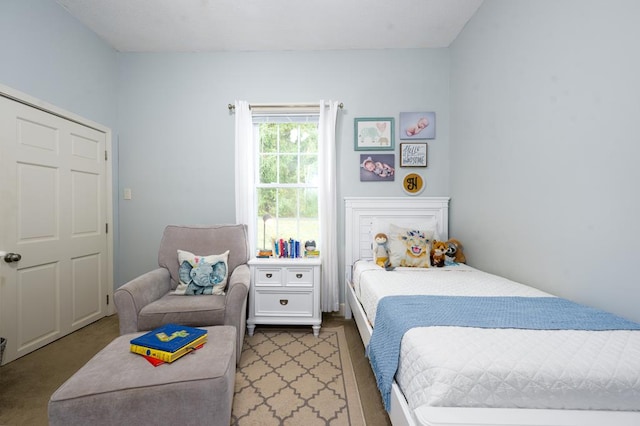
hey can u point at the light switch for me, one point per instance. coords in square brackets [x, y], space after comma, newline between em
[127, 193]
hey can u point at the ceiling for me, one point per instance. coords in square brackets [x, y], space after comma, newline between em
[259, 25]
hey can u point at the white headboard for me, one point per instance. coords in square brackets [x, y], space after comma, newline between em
[361, 212]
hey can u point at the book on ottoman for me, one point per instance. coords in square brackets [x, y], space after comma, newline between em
[169, 342]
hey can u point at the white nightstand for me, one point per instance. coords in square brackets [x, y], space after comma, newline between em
[285, 291]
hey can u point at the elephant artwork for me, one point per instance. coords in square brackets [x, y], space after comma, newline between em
[369, 135]
[374, 133]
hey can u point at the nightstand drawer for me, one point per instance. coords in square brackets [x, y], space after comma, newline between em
[268, 277]
[284, 303]
[302, 277]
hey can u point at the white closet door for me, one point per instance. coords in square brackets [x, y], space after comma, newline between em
[53, 215]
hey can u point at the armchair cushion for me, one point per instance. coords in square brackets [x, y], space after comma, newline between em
[191, 311]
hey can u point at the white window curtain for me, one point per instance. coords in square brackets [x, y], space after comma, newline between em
[330, 296]
[244, 175]
[245, 167]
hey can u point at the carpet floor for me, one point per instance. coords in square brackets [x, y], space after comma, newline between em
[27, 383]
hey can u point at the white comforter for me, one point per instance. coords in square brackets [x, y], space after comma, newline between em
[508, 368]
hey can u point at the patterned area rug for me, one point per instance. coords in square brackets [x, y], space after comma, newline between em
[290, 377]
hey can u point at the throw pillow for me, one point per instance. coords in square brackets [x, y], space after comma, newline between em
[409, 247]
[202, 274]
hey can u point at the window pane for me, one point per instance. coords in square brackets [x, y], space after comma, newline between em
[266, 227]
[287, 203]
[309, 230]
[268, 168]
[308, 137]
[266, 201]
[309, 203]
[289, 137]
[288, 168]
[268, 137]
[288, 213]
[309, 169]
[266, 223]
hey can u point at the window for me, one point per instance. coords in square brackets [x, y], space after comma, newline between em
[286, 178]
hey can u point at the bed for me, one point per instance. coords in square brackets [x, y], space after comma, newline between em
[450, 375]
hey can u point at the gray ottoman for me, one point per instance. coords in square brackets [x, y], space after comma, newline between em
[117, 387]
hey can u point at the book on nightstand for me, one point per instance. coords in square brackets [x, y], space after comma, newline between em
[169, 342]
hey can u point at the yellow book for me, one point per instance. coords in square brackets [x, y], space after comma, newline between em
[168, 356]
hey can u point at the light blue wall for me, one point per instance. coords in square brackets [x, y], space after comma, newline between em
[545, 142]
[177, 135]
[172, 132]
[544, 101]
[47, 54]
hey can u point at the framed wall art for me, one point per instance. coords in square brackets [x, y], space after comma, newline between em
[413, 184]
[374, 134]
[377, 167]
[413, 154]
[417, 125]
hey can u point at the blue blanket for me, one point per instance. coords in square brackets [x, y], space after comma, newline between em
[397, 314]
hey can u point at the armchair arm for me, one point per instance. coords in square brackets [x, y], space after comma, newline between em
[236, 303]
[131, 297]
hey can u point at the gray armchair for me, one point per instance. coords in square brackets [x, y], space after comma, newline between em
[146, 302]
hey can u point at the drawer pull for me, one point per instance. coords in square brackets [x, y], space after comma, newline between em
[269, 275]
[298, 276]
[284, 302]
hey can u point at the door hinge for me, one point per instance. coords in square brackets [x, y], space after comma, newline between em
[107, 299]
[106, 228]
[106, 157]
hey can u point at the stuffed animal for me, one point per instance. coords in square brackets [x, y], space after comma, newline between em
[438, 252]
[380, 251]
[454, 251]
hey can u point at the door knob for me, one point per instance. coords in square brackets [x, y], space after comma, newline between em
[12, 257]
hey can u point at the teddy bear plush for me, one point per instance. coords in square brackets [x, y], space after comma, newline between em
[438, 253]
[454, 251]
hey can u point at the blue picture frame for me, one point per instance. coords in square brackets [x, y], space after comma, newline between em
[374, 134]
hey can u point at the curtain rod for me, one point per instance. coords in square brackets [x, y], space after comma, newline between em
[232, 107]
